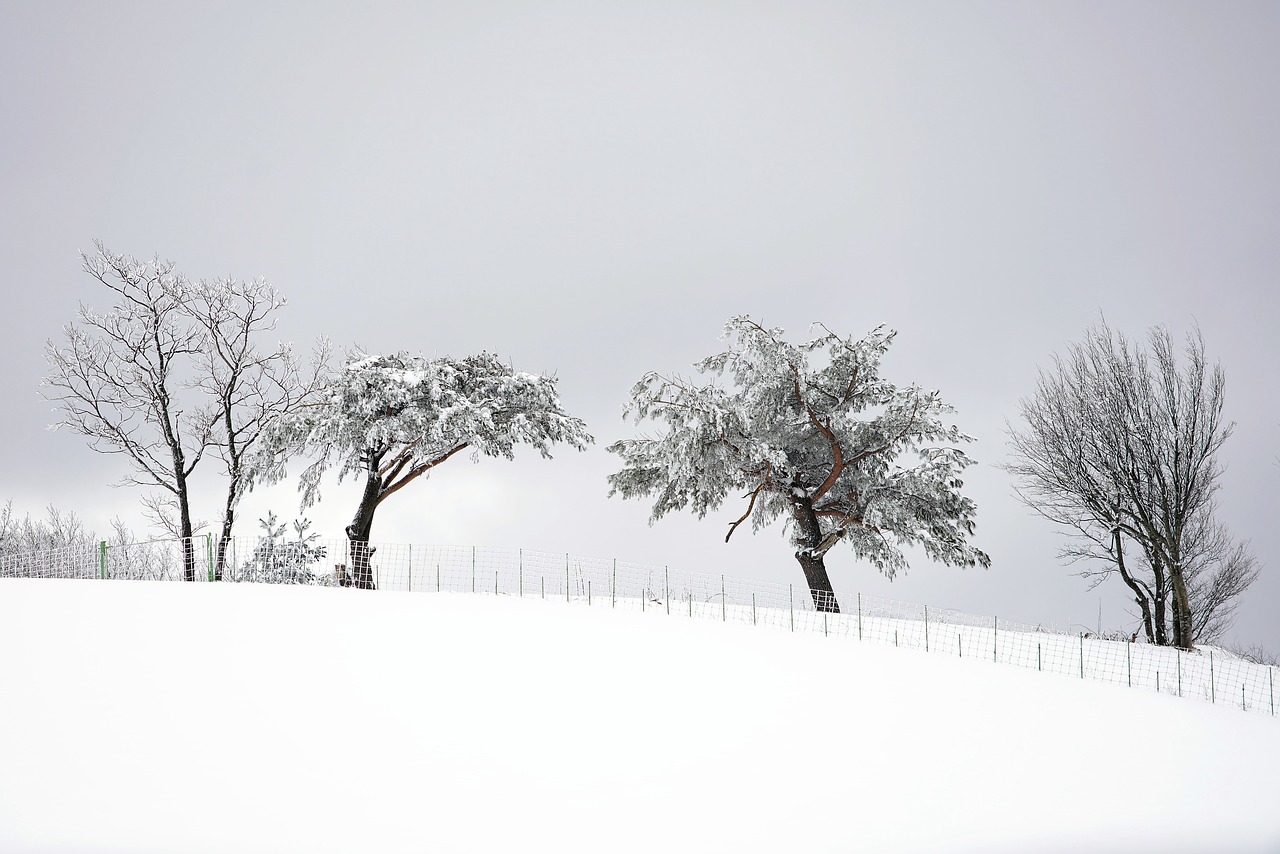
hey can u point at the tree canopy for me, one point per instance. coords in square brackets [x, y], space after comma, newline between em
[391, 419]
[811, 433]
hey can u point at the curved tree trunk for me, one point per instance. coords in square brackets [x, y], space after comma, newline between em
[808, 538]
[359, 529]
[1140, 594]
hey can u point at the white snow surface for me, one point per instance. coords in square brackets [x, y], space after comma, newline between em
[165, 717]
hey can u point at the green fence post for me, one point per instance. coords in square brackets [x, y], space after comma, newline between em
[824, 624]
[960, 644]
[1179, 673]
[1038, 666]
[666, 588]
[791, 595]
[437, 578]
[724, 612]
[588, 591]
[926, 628]
[1213, 698]
[1082, 655]
[859, 616]
[208, 539]
[1128, 661]
[102, 559]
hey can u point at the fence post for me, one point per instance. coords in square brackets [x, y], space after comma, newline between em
[437, 578]
[824, 624]
[613, 586]
[588, 591]
[520, 570]
[495, 582]
[1038, 666]
[859, 616]
[473, 569]
[1271, 685]
[1242, 706]
[566, 576]
[1082, 655]
[1128, 660]
[666, 588]
[960, 644]
[1179, 673]
[926, 628]
[724, 611]
[753, 608]
[208, 541]
[1213, 698]
[791, 594]
[995, 638]
[411, 567]
[102, 559]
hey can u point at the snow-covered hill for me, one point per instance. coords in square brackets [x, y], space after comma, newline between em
[155, 717]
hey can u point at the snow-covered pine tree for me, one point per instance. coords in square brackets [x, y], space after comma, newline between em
[810, 433]
[391, 419]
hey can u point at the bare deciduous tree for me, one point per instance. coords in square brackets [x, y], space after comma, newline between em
[1119, 445]
[249, 386]
[117, 377]
[170, 372]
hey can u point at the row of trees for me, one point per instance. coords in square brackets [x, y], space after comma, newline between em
[1118, 445]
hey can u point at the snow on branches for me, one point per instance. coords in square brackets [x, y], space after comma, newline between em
[398, 416]
[391, 419]
[810, 432]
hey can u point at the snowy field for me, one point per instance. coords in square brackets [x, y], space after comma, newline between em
[161, 717]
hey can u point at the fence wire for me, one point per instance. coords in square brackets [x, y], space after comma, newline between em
[1208, 674]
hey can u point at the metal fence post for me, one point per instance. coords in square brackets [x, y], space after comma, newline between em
[1082, 655]
[791, 594]
[666, 588]
[613, 586]
[724, 612]
[208, 540]
[926, 628]
[102, 559]
[520, 571]
[411, 567]
[859, 616]
[1213, 692]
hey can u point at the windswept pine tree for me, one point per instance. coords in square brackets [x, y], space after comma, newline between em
[391, 419]
[813, 434]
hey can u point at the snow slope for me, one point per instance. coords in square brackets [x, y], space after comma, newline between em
[160, 717]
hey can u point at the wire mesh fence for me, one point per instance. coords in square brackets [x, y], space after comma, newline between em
[1211, 675]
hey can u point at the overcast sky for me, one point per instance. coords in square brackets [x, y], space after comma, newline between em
[593, 189]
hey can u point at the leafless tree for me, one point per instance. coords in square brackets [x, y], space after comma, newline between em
[118, 376]
[249, 386]
[172, 371]
[1119, 445]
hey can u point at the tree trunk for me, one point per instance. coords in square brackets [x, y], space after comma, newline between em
[1182, 635]
[224, 539]
[359, 529]
[1139, 594]
[184, 531]
[808, 537]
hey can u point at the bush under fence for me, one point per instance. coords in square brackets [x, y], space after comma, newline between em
[1211, 675]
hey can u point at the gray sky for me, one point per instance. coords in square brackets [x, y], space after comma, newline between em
[593, 189]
